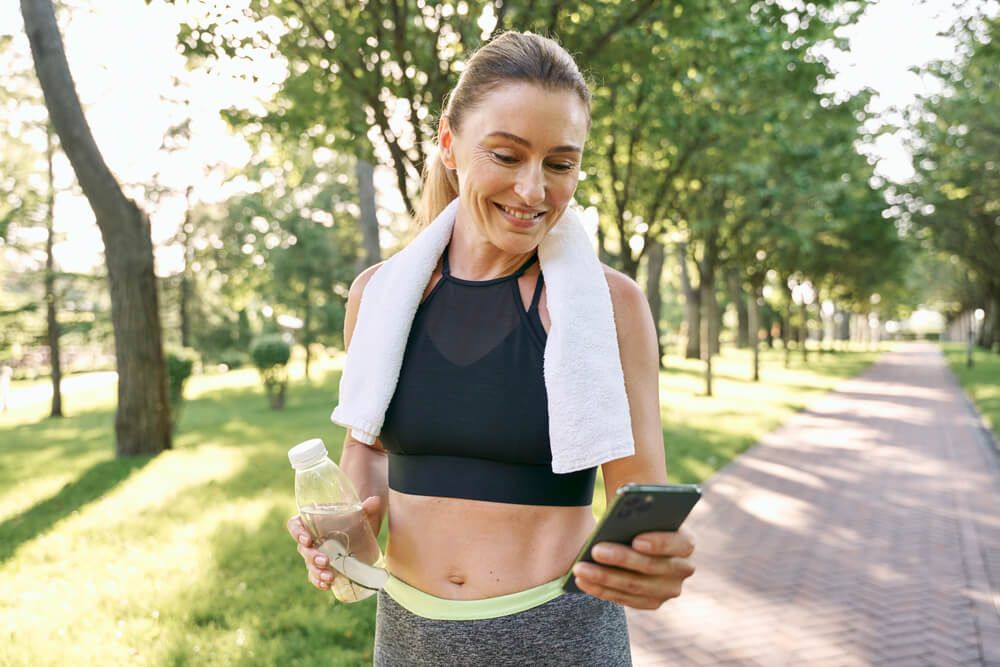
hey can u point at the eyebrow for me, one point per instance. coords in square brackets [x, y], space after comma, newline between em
[527, 144]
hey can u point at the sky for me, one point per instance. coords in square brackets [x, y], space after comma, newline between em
[122, 82]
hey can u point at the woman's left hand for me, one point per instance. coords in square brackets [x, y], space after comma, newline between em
[643, 575]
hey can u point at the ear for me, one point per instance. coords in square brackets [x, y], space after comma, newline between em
[445, 138]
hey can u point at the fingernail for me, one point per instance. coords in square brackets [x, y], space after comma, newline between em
[304, 539]
[601, 551]
[642, 545]
[326, 576]
[321, 561]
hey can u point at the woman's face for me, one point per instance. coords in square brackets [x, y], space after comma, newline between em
[517, 158]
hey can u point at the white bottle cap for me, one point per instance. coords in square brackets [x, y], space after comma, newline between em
[307, 453]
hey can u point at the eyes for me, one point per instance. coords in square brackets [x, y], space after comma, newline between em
[558, 166]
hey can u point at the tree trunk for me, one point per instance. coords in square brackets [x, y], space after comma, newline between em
[692, 308]
[804, 332]
[307, 333]
[753, 326]
[629, 264]
[142, 420]
[995, 319]
[713, 306]
[786, 333]
[709, 307]
[988, 328]
[602, 251]
[50, 284]
[742, 316]
[369, 220]
[654, 273]
[843, 328]
[184, 304]
[707, 272]
[707, 324]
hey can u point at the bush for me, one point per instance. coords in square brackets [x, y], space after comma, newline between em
[233, 358]
[180, 361]
[270, 355]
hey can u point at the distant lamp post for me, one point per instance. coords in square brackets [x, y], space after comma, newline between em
[974, 327]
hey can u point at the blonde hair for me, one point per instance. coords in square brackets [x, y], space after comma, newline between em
[510, 57]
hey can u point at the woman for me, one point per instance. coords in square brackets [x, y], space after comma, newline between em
[471, 403]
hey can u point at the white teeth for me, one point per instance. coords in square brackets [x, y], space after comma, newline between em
[518, 214]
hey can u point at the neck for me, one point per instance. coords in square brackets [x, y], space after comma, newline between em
[472, 257]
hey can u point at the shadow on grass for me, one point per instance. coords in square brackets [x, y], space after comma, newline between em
[255, 569]
[90, 486]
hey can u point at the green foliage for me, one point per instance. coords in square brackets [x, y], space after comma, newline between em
[180, 362]
[953, 201]
[731, 147]
[270, 354]
[268, 351]
[212, 577]
[233, 358]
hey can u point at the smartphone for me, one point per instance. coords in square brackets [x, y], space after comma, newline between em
[638, 508]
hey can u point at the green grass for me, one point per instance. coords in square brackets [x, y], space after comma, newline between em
[183, 559]
[981, 382]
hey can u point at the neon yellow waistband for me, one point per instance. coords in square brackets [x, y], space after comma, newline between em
[440, 609]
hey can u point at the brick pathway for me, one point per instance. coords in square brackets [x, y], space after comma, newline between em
[865, 531]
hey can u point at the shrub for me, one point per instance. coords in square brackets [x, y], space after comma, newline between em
[270, 355]
[180, 361]
[233, 358]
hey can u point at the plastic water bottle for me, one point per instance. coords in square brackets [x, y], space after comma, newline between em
[331, 511]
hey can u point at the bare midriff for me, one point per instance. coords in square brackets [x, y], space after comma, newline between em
[461, 549]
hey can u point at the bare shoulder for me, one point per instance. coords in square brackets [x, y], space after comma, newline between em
[358, 286]
[354, 301]
[628, 300]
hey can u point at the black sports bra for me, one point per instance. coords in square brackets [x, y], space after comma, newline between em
[469, 417]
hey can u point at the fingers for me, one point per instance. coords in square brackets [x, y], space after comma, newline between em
[318, 569]
[619, 596]
[298, 530]
[630, 577]
[619, 555]
[320, 573]
[679, 543]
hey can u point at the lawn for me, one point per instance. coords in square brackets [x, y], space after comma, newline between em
[183, 558]
[981, 382]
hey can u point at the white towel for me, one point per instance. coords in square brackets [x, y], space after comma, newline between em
[589, 420]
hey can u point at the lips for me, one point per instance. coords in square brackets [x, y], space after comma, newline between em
[520, 214]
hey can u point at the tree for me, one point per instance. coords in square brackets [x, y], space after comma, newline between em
[142, 419]
[30, 201]
[954, 198]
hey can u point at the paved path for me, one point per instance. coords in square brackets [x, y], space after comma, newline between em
[865, 531]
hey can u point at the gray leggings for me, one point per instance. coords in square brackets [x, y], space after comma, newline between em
[575, 629]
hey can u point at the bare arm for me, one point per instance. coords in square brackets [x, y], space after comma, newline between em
[365, 465]
[640, 365]
[640, 575]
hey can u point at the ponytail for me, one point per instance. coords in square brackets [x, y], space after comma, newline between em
[439, 189]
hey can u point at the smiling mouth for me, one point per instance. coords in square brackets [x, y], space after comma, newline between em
[520, 215]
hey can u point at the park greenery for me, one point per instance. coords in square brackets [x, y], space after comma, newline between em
[183, 558]
[146, 524]
[726, 174]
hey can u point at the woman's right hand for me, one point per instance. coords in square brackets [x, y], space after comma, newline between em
[317, 564]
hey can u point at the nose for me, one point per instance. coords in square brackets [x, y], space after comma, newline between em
[530, 185]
